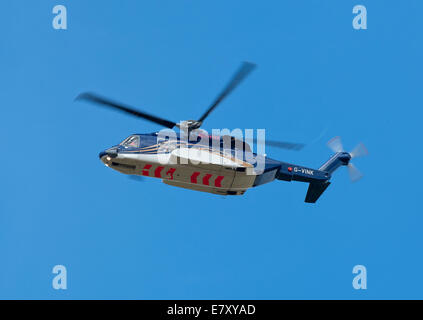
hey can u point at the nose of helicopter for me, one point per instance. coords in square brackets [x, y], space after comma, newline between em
[102, 154]
[111, 153]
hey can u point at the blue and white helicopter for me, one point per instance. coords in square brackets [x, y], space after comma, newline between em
[223, 165]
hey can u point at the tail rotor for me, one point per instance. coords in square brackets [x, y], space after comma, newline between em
[335, 144]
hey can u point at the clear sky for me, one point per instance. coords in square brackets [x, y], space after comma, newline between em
[317, 78]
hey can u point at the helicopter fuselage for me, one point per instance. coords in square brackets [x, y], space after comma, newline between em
[199, 166]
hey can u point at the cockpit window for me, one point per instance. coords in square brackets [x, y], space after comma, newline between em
[131, 142]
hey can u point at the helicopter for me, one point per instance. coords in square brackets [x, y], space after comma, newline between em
[222, 165]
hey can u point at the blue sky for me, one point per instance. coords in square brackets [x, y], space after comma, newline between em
[317, 78]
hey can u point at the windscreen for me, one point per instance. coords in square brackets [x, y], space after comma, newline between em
[131, 142]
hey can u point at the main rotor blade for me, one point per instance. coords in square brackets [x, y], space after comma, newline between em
[119, 106]
[240, 75]
[280, 144]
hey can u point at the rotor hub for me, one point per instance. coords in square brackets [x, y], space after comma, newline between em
[345, 157]
[189, 125]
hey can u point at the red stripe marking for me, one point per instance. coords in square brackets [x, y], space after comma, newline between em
[170, 172]
[218, 181]
[158, 171]
[206, 179]
[194, 177]
[145, 170]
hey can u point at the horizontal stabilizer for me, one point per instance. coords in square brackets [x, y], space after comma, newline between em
[315, 190]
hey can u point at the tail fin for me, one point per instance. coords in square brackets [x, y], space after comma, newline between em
[315, 190]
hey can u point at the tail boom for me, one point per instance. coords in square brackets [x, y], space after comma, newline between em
[318, 179]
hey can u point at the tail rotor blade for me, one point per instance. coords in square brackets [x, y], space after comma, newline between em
[335, 144]
[359, 151]
[354, 173]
